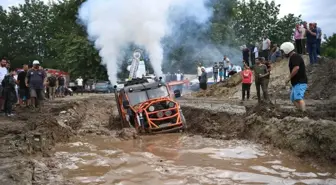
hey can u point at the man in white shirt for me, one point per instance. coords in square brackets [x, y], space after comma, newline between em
[227, 64]
[266, 46]
[199, 71]
[3, 73]
[80, 85]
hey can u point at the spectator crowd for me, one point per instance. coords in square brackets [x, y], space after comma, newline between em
[29, 87]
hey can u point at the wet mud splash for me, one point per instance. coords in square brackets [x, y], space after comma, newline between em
[181, 159]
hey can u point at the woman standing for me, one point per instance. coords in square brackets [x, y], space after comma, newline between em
[246, 82]
[203, 79]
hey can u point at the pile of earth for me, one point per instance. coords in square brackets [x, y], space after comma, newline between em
[27, 140]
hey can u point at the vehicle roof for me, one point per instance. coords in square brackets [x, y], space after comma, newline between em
[147, 85]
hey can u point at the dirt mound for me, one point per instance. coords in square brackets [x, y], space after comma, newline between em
[34, 133]
[224, 88]
[322, 80]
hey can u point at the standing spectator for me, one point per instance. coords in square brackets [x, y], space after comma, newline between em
[298, 38]
[221, 71]
[304, 37]
[8, 84]
[215, 69]
[199, 71]
[246, 56]
[275, 53]
[269, 68]
[260, 71]
[226, 62]
[252, 54]
[3, 73]
[311, 43]
[24, 94]
[52, 84]
[318, 40]
[61, 85]
[36, 80]
[297, 77]
[80, 84]
[266, 46]
[203, 80]
[246, 82]
[256, 54]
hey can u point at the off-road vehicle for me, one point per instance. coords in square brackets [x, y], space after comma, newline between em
[149, 107]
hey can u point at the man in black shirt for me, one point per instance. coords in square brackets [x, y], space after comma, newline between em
[61, 85]
[24, 94]
[297, 77]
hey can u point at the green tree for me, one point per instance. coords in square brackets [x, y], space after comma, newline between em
[328, 47]
[254, 19]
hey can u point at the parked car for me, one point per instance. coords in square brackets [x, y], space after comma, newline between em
[104, 87]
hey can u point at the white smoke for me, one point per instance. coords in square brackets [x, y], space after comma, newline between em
[113, 24]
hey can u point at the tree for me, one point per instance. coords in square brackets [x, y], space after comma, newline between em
[254, 19]
[328, 47]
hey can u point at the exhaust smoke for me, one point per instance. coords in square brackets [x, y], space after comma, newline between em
[114, 24]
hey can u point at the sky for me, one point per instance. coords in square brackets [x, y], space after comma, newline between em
[321, 11]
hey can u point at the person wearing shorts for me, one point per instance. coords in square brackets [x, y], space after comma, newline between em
[24, 94]
[297, 77]
[35, 80]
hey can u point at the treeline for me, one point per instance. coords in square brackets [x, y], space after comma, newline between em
[51, 34]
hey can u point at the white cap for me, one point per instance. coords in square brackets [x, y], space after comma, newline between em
[36, 62]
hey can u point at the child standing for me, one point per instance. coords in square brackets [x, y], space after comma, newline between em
[246, 82]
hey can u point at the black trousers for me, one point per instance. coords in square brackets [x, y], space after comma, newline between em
[298, 43]
[246, 89]
[80, 89]
[263, 83]
[9, 98]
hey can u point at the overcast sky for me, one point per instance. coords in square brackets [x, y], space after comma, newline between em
[321, 11]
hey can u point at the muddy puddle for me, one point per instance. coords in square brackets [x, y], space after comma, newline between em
[179, 159]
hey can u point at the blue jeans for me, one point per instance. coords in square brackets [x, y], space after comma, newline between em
[312, 50]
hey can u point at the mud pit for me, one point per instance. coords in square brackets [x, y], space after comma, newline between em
[181, 159]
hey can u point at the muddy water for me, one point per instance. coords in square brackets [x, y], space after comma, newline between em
[178, 159]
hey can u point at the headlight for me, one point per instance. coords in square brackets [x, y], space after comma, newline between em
[168, 113]
[171, 104]
[151, 108]
[160, 114]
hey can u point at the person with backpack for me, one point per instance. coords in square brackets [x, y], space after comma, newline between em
[52, 83]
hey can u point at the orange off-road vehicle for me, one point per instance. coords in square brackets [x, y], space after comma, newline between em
[149, 107]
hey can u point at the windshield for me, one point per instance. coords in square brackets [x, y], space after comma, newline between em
[137, 97]
[141, 96]
[158, 92]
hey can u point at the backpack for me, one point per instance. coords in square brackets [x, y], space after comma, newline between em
[52, 81]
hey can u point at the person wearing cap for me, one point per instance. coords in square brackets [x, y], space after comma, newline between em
[297, 76]
[36, 79]
[203, 80]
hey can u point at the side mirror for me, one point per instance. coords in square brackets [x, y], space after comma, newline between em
[177, 93]
[126, 104]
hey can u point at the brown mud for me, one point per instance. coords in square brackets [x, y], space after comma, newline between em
[27, 140]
